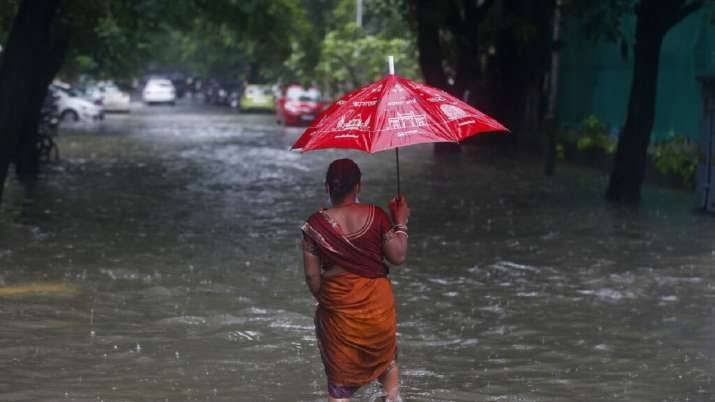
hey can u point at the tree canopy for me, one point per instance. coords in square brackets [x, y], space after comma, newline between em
[224, 38]
[307, 41]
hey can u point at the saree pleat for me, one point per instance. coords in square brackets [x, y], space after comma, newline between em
[356, 326]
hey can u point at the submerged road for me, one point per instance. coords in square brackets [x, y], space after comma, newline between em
[160, 260]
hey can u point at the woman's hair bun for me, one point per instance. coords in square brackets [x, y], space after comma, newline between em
[342, 176]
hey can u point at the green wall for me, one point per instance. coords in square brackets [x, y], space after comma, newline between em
[595, 77]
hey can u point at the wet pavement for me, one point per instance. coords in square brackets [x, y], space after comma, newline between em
[160, 260]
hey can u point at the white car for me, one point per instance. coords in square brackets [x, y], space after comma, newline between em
[114, 100]
[159, 90]
[73, 107]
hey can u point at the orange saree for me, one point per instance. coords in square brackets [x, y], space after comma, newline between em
[356, 326]
[356, 322]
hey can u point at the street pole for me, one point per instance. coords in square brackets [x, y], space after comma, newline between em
[358, 13]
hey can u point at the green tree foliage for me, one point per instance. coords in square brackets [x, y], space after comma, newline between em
[286, 40]
[262, 32]
[207, 49]
[351, 56]
[676, 156]
[347, 63]
[227, 39]
[110, 38]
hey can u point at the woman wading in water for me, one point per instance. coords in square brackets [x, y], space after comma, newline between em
[344, 248]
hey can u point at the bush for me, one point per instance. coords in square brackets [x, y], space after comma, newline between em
[591, 135]
[675, 155]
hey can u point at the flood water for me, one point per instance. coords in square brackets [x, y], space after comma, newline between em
[160, 260]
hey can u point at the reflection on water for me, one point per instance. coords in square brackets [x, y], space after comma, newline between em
[177, 235]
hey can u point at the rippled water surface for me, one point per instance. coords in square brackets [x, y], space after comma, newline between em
[159, 260]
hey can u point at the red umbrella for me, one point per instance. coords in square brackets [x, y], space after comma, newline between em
[391, 113]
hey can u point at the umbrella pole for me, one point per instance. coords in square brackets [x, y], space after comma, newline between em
[397, 164]
[391, 68]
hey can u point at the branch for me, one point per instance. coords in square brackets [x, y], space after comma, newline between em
[685, 10]
[350, 68]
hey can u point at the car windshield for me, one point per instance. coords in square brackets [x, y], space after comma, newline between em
[300, 94]
[258, 91]
[159, 83]
[68, 91]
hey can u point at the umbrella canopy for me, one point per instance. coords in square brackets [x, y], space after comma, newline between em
[391, 113]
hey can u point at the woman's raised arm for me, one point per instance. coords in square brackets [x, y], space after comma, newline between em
[395, 245]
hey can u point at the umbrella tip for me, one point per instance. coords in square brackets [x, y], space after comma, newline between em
[391, 64]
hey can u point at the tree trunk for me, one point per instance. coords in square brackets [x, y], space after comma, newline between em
[549, 125]
[465, 70]
[519, 69]
[430, 57]
[630, 161]
[31, 45]
[466, 18]
[655, 19]
[428, 45]
[27, 157]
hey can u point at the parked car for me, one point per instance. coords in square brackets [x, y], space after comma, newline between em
[73, 107]
[159, 90]
[114, 99]
[258, 97]
[109, 96]
[93, 93]
[298, 105]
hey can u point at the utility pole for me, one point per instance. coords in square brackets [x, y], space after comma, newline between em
[358, 13]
